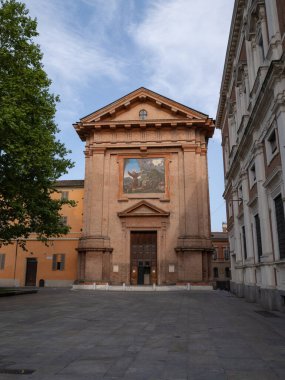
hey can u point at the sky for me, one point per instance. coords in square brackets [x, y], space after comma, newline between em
[96, 51]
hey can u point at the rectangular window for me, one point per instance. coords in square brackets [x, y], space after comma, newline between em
[58, 261]
[240, 194]
[2, 261]
[280, 221]
[230, 209]
[244, 242]
[252, 175]
[227, 272]
[258, 236]
[64, 195]
[226, 254]
[273, 142]
[63, 220]
[261, 48]
[216, 272]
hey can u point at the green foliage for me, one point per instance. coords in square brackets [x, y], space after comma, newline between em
[31, 158]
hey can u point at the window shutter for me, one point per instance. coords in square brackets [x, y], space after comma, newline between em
[54, 261]
[244, 242]
[2, 260]
[62, 262]
[280, 220]
[64, 195]
[258, 236]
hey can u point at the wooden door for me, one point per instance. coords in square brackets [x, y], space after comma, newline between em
[31, 272]
[143, 257]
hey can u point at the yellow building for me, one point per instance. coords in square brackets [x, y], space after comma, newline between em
[54, 264]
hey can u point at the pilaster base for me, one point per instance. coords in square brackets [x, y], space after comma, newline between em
[94, 259]
[194, 260]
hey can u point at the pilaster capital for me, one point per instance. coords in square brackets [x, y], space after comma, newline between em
[243, 175]
[98, 150]
[258, 149]
[189, 148]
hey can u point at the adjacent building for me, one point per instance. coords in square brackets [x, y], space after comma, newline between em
[54, 264]
[221, 266]
[251, 116]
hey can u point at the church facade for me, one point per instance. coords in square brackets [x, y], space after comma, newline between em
[146, 216]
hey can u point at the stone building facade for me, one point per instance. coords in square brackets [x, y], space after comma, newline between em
[221, 266]
[146, 216]
[251, 115]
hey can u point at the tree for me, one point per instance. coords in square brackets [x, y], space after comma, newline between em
[31, 157]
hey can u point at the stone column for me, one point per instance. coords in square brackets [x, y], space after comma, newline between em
[249, 55]
[264, 32]
[94, 247]
[205, 192]
[246, 218]
[191, 192]
[87, 189]
[237, 242]
[95, 200]
[281, 129]
[272, 18]
[263, 208]
[181, 187]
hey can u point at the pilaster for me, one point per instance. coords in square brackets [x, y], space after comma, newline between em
[237, 241]
[281, 134]
[263, 208]
[191, 191]
[246, 216]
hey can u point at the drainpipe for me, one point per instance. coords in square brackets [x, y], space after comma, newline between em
[16, 255]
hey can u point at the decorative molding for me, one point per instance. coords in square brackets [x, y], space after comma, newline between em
[143, 209]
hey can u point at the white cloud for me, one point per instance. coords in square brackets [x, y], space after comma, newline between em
[74, 52]
[183, 43]
[71, 53]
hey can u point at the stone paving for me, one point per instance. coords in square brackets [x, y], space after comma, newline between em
[64, 334]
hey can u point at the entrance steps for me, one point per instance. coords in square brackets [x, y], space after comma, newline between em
[141, 288]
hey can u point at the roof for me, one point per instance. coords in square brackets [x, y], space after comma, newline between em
[104, 118]
[147, 91]
[70, 183]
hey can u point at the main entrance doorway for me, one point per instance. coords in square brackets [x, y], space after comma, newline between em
[143, 257]
[31, 272]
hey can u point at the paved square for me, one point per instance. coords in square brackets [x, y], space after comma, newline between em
[63, 334]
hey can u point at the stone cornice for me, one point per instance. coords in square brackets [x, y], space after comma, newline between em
[230, 55]
[181, 116]
[274, 72]
[84, 129]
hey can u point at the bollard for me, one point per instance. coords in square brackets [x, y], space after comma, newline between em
[188, 286]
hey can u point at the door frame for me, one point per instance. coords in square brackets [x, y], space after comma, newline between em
[134, 269]
[31, 260]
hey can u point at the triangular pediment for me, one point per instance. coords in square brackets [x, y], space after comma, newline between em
[158, 107]
[143, 208]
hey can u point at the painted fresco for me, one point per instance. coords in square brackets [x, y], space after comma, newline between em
[144, 175]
